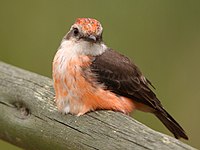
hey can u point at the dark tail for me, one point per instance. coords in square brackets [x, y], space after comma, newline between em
[171, 124]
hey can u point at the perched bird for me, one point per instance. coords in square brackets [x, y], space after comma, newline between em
[89, 76]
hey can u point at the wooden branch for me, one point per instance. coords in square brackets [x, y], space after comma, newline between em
[29, 119]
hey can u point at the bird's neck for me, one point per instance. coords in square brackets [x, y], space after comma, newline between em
[80, 53]
[77, 48]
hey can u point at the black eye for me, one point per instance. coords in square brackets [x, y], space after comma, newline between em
[75, 31]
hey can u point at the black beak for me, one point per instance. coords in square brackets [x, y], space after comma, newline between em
[92, 38]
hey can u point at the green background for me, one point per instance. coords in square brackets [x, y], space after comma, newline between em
[163, 37]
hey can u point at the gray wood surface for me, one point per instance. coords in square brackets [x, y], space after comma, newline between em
[29, 119]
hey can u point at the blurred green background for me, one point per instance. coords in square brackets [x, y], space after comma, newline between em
[163, 37]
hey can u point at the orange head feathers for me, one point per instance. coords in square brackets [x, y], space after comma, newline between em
[89, 26]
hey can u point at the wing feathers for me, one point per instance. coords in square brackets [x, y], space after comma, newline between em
[121, 76]
[124, 78]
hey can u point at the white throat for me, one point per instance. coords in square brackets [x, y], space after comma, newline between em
[74, 48]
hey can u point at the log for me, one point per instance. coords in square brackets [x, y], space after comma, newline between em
[29, 119]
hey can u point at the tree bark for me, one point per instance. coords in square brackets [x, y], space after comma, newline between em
[29, 119]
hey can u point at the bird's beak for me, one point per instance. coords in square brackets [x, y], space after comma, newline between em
[92, 38]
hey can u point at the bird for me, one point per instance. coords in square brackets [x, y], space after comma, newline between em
[88, 75]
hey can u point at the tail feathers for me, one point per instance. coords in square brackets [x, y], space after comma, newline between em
[171, 124]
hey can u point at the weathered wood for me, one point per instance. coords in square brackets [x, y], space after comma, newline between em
[29, 119]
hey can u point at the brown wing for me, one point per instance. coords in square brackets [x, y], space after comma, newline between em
[124, 78]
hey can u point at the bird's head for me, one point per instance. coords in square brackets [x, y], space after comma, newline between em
[86, 29]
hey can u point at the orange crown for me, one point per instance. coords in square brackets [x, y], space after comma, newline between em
[89, 25]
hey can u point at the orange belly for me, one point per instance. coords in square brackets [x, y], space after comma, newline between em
[77, 94]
